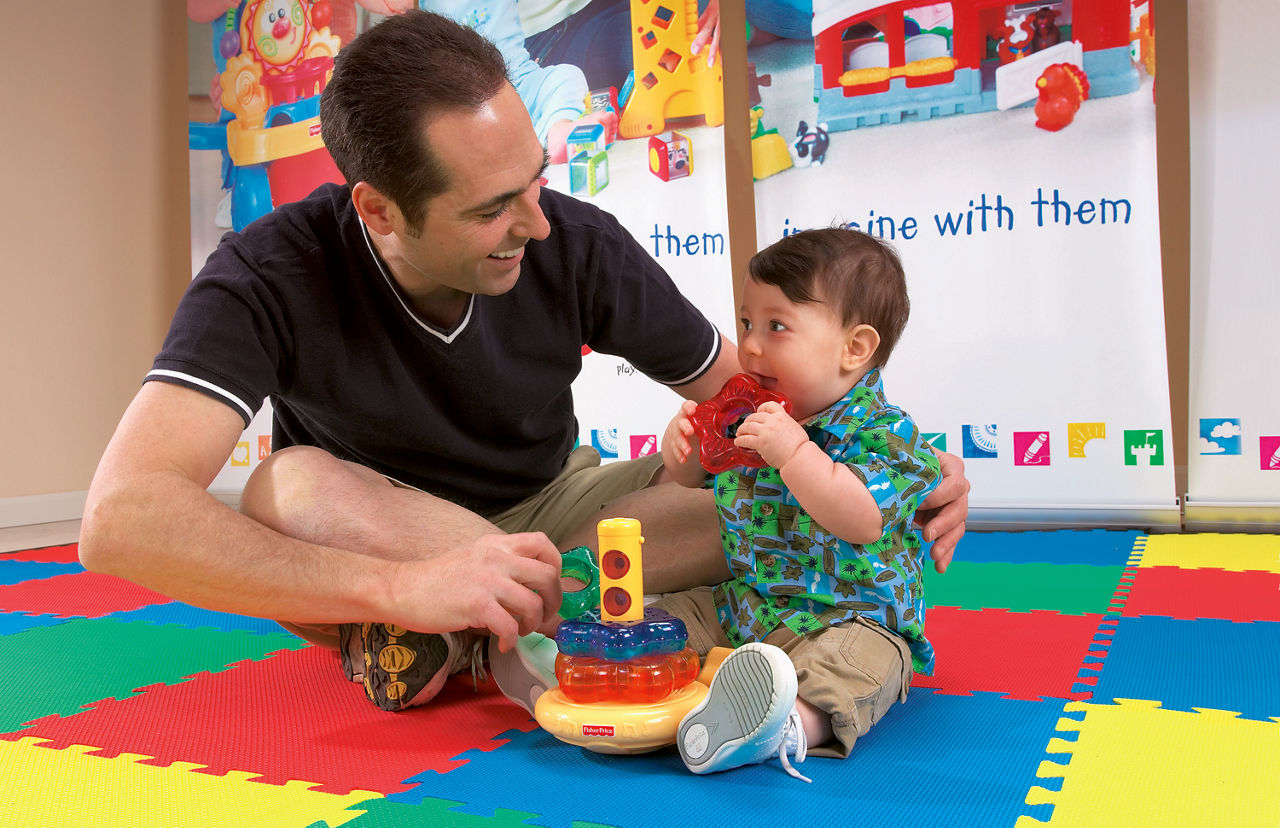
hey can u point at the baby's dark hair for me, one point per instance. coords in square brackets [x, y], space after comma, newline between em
[858, 275]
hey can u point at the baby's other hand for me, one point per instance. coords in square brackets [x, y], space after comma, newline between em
[771, 433]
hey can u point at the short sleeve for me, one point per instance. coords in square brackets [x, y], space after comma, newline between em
[892, 459]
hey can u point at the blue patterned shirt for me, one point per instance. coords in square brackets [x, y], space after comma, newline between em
[789, 570]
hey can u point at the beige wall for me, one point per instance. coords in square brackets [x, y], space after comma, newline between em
[93, 225]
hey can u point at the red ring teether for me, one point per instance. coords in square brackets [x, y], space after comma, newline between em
[740, 396]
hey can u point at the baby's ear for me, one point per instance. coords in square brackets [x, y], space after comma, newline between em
[860, 345]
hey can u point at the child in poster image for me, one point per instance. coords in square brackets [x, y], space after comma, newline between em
[826, 563]
[555, 95]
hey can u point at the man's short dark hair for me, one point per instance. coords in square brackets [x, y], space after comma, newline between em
[387, 83]
[858, 275]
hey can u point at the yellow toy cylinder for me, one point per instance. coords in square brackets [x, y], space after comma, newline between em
[621, 572]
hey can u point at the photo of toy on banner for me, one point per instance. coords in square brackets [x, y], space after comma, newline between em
[627, 96]
[1008, 152]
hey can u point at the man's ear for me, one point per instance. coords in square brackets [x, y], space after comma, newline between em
[378, 211]
[860, 345]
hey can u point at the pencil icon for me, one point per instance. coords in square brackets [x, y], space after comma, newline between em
[1034, 448]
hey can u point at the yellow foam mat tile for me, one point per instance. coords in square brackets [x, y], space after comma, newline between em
[1135, 765]
[75, 787]
[1235, 553]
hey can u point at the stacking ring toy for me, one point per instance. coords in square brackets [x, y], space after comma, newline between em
[713, 419]
[578, 564]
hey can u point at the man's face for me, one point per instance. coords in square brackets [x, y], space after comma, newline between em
[473, 237]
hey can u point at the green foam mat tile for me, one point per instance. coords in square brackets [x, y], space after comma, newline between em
[68, 666]
[1071, 589]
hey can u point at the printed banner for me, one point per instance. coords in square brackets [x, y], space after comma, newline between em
[662, 175]
[631, 116]
[1234, 458]
[1008, 152]
[266, 66]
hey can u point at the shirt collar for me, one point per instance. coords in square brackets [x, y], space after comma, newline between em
[853, 409]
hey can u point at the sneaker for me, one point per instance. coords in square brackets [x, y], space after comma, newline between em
[526, 671]
[403, 668]
[351, 650]
[748, 716]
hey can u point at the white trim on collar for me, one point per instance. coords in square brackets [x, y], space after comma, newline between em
[446, 338]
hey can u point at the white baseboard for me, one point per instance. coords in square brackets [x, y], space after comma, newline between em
[1012, 517]
[33, 509]
[1233, 516]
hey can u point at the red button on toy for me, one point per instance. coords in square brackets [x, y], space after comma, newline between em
[740, 396]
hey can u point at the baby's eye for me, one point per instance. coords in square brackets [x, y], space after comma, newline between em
[775, 326]
[746, 324]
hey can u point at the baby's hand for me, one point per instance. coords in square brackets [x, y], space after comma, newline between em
[771, 433]
[680, 439]
[708, 32]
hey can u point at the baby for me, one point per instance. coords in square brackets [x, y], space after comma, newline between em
[826, 608]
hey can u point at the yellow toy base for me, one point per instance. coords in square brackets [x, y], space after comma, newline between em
[617, 727]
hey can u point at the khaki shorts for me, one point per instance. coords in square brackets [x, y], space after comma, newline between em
[577, 494]
[573, 498]
[854, 671]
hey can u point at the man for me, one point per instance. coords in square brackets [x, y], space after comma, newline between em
[417, 332]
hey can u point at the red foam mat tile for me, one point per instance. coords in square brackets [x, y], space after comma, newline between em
[1190, 594]
[292, 716]
[87, 594]
[68, 553]
[1024, 655]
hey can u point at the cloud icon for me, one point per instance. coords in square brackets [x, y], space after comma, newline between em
[1226, 428]
[1207, 446]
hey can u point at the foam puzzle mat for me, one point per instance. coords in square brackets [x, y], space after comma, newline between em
[1084, 678]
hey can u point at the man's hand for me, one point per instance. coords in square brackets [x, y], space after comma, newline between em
[507, 584]
[943, 513]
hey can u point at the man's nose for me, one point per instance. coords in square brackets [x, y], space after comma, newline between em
[530, 220]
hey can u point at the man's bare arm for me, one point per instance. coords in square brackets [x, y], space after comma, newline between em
[149, 518]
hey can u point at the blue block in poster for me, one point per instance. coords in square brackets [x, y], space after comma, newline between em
[588, 172]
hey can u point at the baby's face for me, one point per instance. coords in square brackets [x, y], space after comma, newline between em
[799, 350]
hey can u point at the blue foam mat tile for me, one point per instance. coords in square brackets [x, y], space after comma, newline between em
[185, 615]
[1097, 547]
[16, 622]
[1216, 664]
[15, 572]
[946, 760]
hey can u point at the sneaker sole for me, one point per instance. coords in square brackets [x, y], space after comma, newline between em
[399, 664]
[752, 692]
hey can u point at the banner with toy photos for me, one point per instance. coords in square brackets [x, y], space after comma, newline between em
[1008, 152]
[649, 150]
[627, 96]
[261, 67]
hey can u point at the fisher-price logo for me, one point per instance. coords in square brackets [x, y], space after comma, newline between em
[598, 730]
[313, 130]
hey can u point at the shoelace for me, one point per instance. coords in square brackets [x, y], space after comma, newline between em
[472, 655]
[793, 736]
